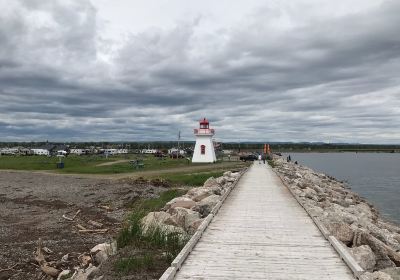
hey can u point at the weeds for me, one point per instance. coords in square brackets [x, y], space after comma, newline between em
[135, 264]
[159, 243]
[196, 179]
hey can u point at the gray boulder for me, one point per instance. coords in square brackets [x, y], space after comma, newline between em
[394, 272]
[341, 231]
[377, 275]
[211, 182]
[192, 228]
[364, 256]
[197, 194]
[205, 206]
[184, 217]
[181, 201]
[158, 220]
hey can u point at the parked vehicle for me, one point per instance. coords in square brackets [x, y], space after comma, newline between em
[160, 155]
[250, 157]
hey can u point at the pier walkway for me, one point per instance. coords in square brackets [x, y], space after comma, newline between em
[261, 232]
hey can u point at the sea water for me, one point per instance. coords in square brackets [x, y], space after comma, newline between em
[374, 176]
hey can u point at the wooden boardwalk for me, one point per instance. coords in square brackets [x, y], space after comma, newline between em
[261, 232]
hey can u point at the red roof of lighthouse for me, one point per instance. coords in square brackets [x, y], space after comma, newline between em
[204, 121]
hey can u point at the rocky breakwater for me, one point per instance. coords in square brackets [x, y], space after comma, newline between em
[372, 241]
[185, 214]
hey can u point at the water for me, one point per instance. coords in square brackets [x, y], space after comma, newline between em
[374, 176]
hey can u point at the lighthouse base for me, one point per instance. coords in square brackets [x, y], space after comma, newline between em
[204, 150]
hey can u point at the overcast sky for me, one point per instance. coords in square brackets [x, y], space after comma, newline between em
[124, 70]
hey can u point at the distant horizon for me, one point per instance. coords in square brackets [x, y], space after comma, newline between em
[317, 143]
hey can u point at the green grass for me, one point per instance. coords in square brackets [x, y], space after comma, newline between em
[190, 179]
[88, 164]
[133, 232]
[136, 264]
[158, 244]
[154, 204]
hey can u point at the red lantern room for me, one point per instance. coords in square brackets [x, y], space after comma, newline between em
[204, 128]
[204, 124]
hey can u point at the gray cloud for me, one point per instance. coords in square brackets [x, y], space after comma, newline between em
[331, 79]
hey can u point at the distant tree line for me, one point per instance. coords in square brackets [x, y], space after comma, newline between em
[236, 146]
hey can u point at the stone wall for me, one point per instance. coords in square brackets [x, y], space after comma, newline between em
[373, 241]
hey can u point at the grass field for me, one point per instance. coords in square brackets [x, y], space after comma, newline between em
[95, 164]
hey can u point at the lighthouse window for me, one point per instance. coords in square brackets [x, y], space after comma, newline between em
[203, 149]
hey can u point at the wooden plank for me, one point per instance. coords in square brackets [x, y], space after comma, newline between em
[345, 255]
[261, 232]
[169, 274]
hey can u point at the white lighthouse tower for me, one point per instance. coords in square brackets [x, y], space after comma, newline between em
[204, 149]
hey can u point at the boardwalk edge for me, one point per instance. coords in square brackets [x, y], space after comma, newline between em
[348, 259]
[184, 253]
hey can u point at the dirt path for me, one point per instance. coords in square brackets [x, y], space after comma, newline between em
[113, 162]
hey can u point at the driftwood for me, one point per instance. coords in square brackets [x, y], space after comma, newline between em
[39, 257]
[93, 230]
[44, 266]
[76, 214]
[67, 218]
[108, 208]
[8, 268]
[81, 227]
[73, 218]
[49, 270]
[95, 224]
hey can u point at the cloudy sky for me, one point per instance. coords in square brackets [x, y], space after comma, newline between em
[130, 70]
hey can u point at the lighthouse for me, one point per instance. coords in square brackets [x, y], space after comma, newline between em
[204, 149]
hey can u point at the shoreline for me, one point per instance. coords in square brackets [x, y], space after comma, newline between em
[371, 239]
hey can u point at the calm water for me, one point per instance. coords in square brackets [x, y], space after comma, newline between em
[374, 176]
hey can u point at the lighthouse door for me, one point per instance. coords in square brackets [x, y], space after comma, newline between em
[203, 149]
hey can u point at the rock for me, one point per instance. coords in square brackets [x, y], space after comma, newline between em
[383, 235]
[197, 194]
[211, 182]
[219, 190]
[221, 180]
[181, 201]
[105, 247]
[155, 219]
[101, 252]
[192, 228]
[100, 257]
[377, 275]
[65, 258]
[85, 274]
[341, 231]
[205, 206]
[227, 174]
[340, 214]
[184, 217]
[364, 256]
[381, 254]
[310, 193]
[316, 188]
[394, 272]
[65, 274]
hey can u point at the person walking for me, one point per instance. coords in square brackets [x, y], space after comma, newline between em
[259, 159]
